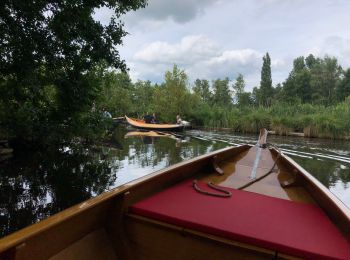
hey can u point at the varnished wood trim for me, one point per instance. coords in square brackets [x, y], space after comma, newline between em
[115, 228]
[331, 204]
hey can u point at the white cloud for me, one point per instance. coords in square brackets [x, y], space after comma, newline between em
[278, 63]
[242, 57]
[200, 57]
[190, 49]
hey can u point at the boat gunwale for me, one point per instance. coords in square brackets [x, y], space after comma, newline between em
[318, 185]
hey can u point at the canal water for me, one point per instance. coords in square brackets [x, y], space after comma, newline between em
[39, 184]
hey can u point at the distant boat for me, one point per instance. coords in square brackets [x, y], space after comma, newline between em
[245, 202]
[141, 124]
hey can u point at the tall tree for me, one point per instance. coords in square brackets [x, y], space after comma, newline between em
[47, 49]
[202, 89]
[222, 94]
[173, 97]
[239, 85]
[243, 98]
[266, 81]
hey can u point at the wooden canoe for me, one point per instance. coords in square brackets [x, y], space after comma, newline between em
[276, 210]
[140, 124]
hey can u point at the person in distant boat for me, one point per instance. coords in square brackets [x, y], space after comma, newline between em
[154, 119]
[106, 114]
[93, 108]
[147, 118]
[178, 120]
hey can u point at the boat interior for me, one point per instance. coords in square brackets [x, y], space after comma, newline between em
[245, 202]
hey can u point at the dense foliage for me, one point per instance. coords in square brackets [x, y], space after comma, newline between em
[50, 52]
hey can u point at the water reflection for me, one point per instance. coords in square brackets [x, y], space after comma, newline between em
[37, 185]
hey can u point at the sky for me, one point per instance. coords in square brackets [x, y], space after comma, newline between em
[211, 39]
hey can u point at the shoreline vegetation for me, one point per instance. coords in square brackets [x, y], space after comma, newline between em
[302, 120]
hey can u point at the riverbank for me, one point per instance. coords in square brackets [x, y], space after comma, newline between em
[318, 121]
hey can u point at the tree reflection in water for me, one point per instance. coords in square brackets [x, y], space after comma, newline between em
[34, 186]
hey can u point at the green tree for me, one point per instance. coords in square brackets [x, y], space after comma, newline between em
[325, 75]
[239, 85]
[202, 89]
[47, 49]
[266, 81]
[311, 61]
[243, 98]
[278, 93]
[116, 93]
[143, 98]
[256, 96]
[298, 84]
[222, 94]
[173, 97]
[343, 88]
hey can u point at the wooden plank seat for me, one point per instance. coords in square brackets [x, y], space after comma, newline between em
[285, 226]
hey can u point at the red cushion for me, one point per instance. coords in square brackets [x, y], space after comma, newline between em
[289, 227]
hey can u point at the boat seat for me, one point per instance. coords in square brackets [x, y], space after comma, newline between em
[293, 228]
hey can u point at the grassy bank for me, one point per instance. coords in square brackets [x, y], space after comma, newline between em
[312, 120]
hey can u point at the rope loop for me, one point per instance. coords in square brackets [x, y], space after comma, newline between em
[224, 193]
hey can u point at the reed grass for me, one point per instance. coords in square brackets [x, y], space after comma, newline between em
[312, 120]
